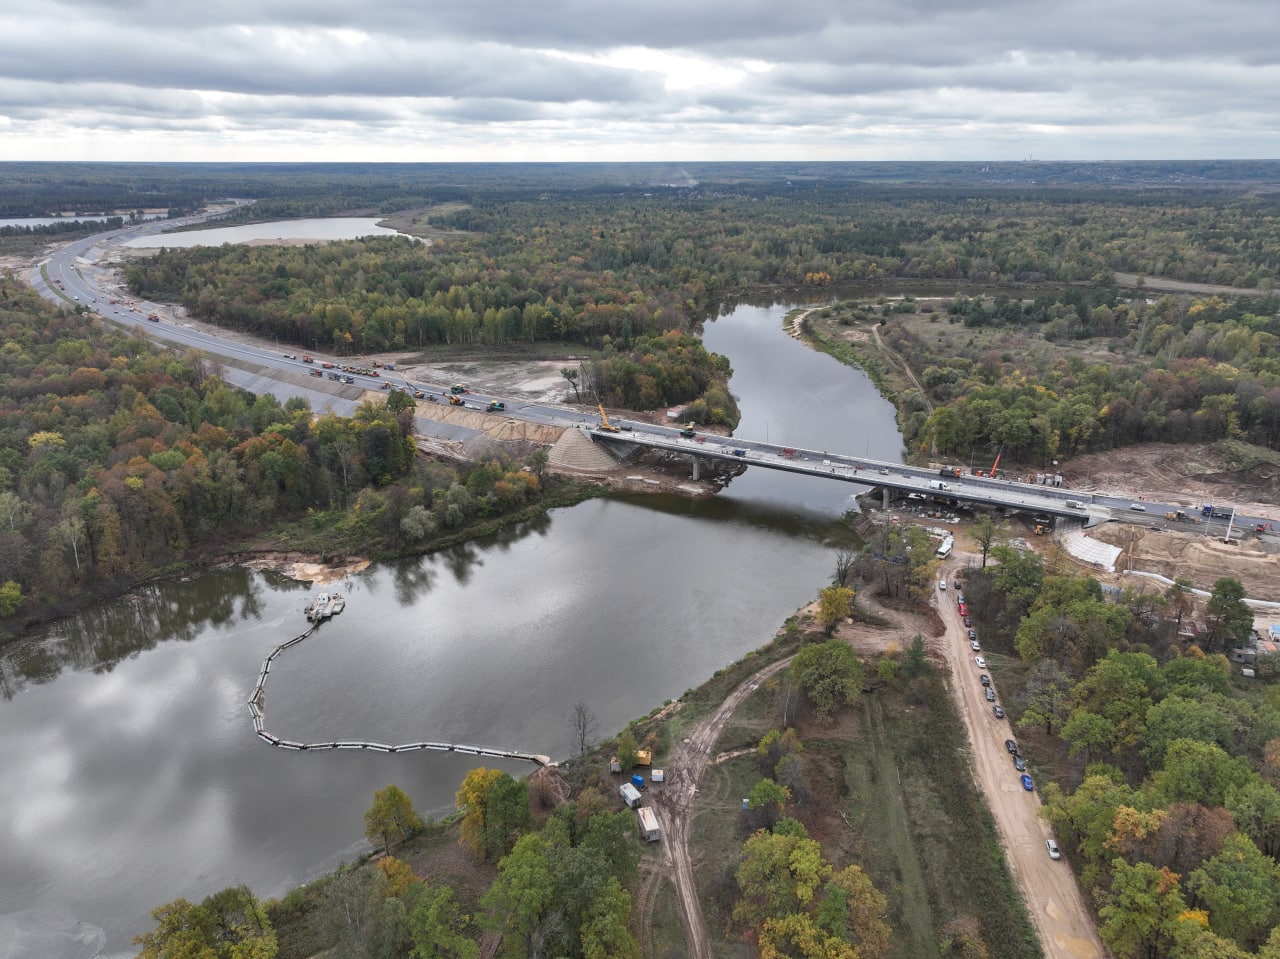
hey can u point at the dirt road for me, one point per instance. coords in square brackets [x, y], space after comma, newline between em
[674, 805]
[1057, 908]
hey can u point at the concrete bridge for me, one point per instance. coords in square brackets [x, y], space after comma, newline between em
[1012, 495]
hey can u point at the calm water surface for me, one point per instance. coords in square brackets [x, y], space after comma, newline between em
[132, 773]
[320, 228]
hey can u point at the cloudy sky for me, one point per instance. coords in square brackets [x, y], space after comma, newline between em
[426, 80]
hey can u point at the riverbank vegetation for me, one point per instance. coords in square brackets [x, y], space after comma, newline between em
[865, 838]
[1069, 372]
[119, 460]
[1165, 791]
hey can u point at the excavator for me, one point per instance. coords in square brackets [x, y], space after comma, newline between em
[605, 426]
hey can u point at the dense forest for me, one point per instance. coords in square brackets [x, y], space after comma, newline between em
[1085, 370]
[1167, 796]
[117, 458]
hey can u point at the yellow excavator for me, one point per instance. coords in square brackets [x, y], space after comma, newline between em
[605, 426]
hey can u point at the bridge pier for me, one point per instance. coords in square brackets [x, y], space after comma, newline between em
[696, 466]
[884, 498]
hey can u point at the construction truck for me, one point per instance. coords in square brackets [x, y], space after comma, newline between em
[457, 401]
[605, 426]
[1178, 516]
[495, 406]
[688, 432]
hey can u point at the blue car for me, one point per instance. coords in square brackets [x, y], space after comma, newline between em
[1027, 784]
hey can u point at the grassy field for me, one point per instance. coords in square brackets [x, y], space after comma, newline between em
[889, 789]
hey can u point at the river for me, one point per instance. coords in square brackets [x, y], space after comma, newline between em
[132, 773]
[318, 228]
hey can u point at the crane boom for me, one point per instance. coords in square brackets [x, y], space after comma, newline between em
[605, 425]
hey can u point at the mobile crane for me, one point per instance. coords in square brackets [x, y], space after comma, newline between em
[605, 426]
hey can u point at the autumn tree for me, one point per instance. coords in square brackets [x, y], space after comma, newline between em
[391, 817]
[778, 874]
[495, 808]
[230, 924]
[1140, 912]
[834, 604]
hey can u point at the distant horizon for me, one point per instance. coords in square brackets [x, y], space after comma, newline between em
[278, 81]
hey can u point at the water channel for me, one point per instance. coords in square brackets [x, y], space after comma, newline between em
[132, 774]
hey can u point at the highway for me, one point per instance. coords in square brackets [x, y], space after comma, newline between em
[74, 277]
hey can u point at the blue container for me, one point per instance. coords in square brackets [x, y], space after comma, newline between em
[637, 781]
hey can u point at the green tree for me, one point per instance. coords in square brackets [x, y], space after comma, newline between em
[439, 928]
[10, 598]
[1255, 806]
[391, 817]
[1048, 693]
[518, 900]
[495, 811]
[1141, 910]
[1196, 772]
[766, 803]
[984, 532]
[830, 674]
[1229, 619]
[1240, 887]
[834, 604]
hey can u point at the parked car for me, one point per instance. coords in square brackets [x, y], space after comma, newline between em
[1019, 764]
[966, 621]
[991, 694]
[942, 584]
[972, 635]
[960, 599]
[1027, 784]
[1010, 745]
[1054, 851]
[982, 663]
[999, 711]
[984, 679]
[975, 645]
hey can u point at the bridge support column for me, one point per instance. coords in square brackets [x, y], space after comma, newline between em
[884, 498]
[696, 464]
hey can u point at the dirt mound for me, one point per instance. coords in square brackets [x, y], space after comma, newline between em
[1184, 473]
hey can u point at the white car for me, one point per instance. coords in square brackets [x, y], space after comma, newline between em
[942, 584]
[1054, 851]
[982, 663]
[1137, 507]
[973, 644]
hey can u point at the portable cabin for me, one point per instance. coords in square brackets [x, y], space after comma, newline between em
[644, 757]
[657, 776]
[630, 795]
[649, 829]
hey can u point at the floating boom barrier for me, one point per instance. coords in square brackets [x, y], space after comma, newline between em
[257, 709]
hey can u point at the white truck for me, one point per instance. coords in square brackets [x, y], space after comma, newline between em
[630, 795]
[938, 485]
